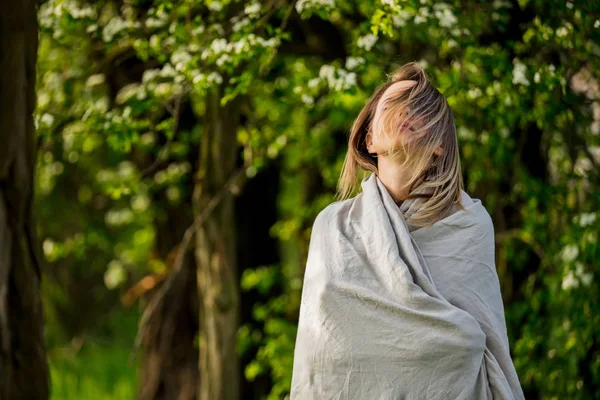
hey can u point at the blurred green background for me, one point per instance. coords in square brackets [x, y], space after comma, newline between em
[219, 127]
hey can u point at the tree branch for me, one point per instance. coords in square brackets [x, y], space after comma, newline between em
[232, 186]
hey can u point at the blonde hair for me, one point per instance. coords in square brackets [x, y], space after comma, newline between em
[426, 113]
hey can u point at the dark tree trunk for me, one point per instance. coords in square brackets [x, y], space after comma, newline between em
[169, 370]
[23, 365]
[215, 253]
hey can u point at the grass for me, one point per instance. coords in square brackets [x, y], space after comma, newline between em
[99, 368]
[93, 373]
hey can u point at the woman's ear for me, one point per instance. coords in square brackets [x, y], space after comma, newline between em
[369, 143]
[438, 151]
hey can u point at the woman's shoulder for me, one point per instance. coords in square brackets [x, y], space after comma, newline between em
[333, 211]
[472, 215]
[470, 223]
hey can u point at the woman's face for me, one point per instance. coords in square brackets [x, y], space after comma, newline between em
[380, 141]
[383, 140]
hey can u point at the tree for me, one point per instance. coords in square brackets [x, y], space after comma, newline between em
[140, 82]
[23, 365]
[269, 89]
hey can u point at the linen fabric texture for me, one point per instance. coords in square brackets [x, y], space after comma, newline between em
[394, 311]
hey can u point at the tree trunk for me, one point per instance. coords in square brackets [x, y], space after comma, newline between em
[23, 365]
[215, 251]
[169, 370]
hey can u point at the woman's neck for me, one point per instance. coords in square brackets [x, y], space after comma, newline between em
[394, 177]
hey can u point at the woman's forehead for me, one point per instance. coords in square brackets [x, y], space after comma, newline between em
[391, 92]
[398, 87]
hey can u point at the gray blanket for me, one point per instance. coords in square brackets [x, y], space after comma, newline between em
[390, 311]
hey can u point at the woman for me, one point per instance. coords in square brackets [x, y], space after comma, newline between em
[401, 298]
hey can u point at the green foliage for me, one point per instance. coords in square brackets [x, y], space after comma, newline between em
[96, 367]
[276, 337]
[122, 106]
[98, 373]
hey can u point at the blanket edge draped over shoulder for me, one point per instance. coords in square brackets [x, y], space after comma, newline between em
[376, 322]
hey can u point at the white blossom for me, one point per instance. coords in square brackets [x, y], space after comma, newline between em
[169, 41]
[51, 11]
[218, 28]
[519, 74]
[579, 276]
[307, 5]
[583, 166]
[240, 46]
[419, 19]
[49, 247]
[115, 273]
[150, 75]
[215, 6]
[180, 59]
[173, 193]
[142, 94]
[140, 202]
[95, 80]
[569, 253]
[153, 22]
[367, 42]
[119, 217]
[474, 93]
[168, 71]
[400, 18]
[339, 79]
[569, 281]
[314, 83]
[199, 30]
[252, 9]
[348, 79]
[84, 12]
[587, 219]
[562, 31]
[327, 72]
[424, 12]
[444, 14]
[47, 119]
[218, 45]
[308, 100]
[224, 59]
[214, 77]
[465, 133]
[584, 276]
[198, 77]
[353, 62]
[501, 4]
[114, 26]
[241, 24]
[244, 45]
[163, 89]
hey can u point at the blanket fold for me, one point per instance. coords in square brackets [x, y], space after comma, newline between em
[375, 321]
